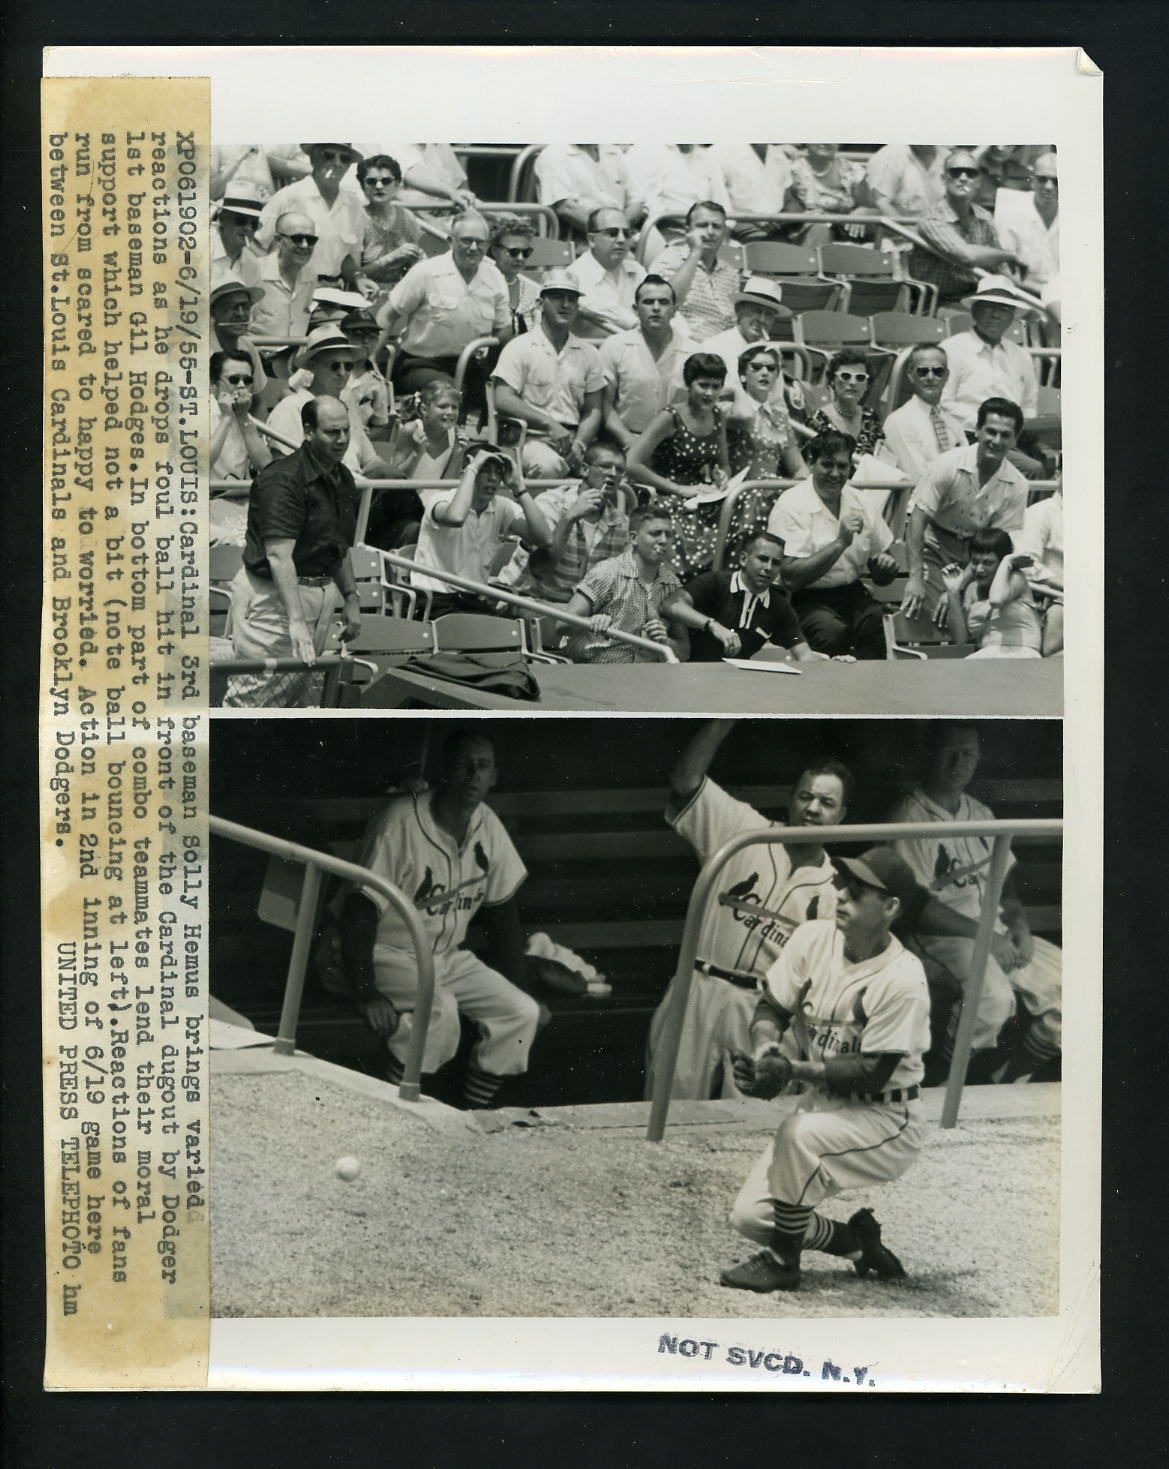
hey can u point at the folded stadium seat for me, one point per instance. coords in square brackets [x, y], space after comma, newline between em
[906, 329]
[405, 598]
[873, 278]
[822, 333]
[366, 564]
[548, 255]
[796, 268]
[920, 637]
[381, 641]
[478, 632]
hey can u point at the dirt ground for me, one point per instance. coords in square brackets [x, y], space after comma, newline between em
[554, 1218]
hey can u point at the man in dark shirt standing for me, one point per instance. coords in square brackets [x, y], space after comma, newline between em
[731, 614]
[302, 518]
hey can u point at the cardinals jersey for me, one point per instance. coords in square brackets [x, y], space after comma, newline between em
[759, 900]
[447, 883]
[879, 1006]
[953, 869]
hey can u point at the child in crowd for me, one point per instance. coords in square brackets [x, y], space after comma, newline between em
[425, 446]
[989, 602]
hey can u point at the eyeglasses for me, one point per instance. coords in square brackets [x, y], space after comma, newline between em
[930, 371]
[240, 382]
[301, 239]
[962, 173]
[375, 183]
[241, 221]
[518, 252]
[332, 155]
[852, 377]
[617, 234]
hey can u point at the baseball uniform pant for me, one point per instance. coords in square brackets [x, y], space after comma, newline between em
[817, 1155]
[1038, 985]
[259, 629]
[718, 1021]
[505, 1016]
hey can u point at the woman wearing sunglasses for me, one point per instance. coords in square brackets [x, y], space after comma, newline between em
[760, 439]
[390, 241]
[849, 378]
[511, 249]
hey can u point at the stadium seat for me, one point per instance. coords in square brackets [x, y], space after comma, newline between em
[920, 637]
[822, 333]
[906, 329]
[478, 632]
[796, 268]
[548, 254]
[873, 278]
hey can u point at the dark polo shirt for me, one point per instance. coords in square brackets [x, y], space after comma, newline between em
[721, 595]
[300, 499]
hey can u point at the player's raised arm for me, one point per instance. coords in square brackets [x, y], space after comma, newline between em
[692, 764]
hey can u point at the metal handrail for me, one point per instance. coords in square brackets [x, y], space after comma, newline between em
[533, 150]
[545, 217]
[782, 217]
[527, 604]
[409, 1089]
[999, 831]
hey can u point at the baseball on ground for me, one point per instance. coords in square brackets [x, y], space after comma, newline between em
[347, 1168]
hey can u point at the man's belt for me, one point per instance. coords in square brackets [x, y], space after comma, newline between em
[744, 981]
[313, 581]
[899, 1094]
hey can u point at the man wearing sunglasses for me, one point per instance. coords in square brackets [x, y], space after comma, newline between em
[960, 235]
[337, 214]
[232, 235]
[608, 276]
[853, 1006]
[288, 279]
[1029, 223]
[921, 428]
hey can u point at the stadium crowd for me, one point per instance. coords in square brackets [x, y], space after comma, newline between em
[617, 398]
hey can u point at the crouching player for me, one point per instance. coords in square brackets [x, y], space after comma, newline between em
[857, 1006]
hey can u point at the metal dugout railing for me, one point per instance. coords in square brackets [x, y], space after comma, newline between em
[998, 832]
[306, 918]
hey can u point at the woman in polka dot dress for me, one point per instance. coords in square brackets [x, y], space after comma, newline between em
[683, 452]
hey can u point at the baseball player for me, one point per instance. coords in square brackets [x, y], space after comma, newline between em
[764, 893]
[451, 854]
[857, 1005]
[955, 870]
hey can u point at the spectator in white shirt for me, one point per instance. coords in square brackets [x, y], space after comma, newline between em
[232, 234]
[642, 367]
[287, 279]
[1028, 224]
[608, 276]
[756, 177]
[336, 212]
[576, 178]
[668, 180]
[921, 428]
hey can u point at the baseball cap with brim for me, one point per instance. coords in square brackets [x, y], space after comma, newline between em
[327, 338]
[882, 868]
[232, 285]
[560, 280]
[757, 290]
[354, 155]
[998, 290]
[242, 198]
[360, 321]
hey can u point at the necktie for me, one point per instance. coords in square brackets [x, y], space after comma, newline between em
[940, 431]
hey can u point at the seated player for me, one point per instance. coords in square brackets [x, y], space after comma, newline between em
[732, 614]
[451, 854]
[466, 530]
[629, 592]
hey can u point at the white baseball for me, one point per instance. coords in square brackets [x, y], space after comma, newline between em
[347, 1168]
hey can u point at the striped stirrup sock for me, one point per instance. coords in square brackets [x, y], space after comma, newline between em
[787, 1234]
[479, 1087]
[830, 1236]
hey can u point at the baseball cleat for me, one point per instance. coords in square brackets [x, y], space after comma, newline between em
[875, 1256]
[762, 1272]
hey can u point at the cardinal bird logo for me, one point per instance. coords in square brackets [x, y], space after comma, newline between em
[742, 889]
[481, 857]
[944, 863]
[425, 888]
[813, 906]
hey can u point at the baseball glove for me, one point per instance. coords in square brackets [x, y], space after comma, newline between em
[764, 1078]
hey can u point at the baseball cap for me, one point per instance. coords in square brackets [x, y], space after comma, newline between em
[882, 868]
[560, 280]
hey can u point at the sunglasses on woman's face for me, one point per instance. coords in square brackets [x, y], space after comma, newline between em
[852, 377]
[519, 252]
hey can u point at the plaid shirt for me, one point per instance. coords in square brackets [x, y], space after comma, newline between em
[615, 588]
[942, 229]
[556, 584]
[709, 306]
